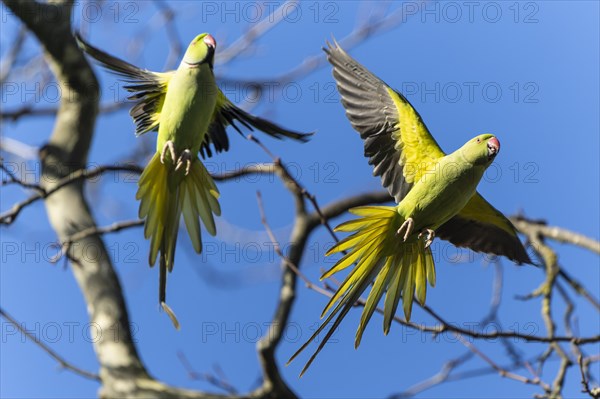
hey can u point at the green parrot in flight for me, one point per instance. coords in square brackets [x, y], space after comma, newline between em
[436, 196]
[190, 113]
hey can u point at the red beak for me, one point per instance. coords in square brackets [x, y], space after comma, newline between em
[493, 146]
[210, 41]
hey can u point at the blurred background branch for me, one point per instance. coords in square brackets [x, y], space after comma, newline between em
[65, 171]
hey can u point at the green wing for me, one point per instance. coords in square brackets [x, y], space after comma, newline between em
[227, 114]
[396, 141]
[148, 88]
[483, 228]
[401, 149]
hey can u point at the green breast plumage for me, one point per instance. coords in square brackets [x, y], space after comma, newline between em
[441, 193]
[188, 108]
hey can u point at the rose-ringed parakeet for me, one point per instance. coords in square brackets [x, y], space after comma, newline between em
[436, 196]
[190, 113]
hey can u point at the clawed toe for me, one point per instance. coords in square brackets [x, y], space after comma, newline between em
[185, 157]
[429, 236]
[169, 146]
[407, 227]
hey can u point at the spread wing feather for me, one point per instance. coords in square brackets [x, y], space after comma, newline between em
[227, 114]
[482, 228]
[396, 141]
[148, 88]
[401, 148]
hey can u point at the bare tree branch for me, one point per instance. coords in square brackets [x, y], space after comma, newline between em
[287, 295]
[500, 370]
[64, 174]
[67, 209]
[30, 110]
[533, 228]
[51, 183]
[9, 216]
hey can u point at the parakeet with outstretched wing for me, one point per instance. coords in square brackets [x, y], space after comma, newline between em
[190, 113]
[436, 196]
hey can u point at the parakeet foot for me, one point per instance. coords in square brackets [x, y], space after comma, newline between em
[429, 236]
[407, 227]
[169, 146]
[185, 157]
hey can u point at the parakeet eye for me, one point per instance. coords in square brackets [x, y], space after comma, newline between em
[478, 140]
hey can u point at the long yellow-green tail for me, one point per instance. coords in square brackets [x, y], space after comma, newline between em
[165, 195]
[399, 268]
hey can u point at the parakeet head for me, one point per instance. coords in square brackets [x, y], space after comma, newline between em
[200, 51]
[481, 150]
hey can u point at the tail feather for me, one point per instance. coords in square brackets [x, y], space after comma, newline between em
[343, 307]
[190, 212]
[374, 211]
[430, 271]
[359, 224]
[165, 196]
[355, 239]
[206, 195]
[392, 296]
[420, 278]
[398, 269]
[379, 286]
[409, 263]
[363, 268]
[171, 223]
[347, 260]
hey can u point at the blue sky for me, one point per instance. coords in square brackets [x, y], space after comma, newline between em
[526, 72]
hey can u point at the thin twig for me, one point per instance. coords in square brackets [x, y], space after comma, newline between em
[549, 257]
[257, 30]
[299, 188]
[91, 231]
[503, 372]
[583, 369]
[6, 66]
[578, 288]
[210, 378]
[533, 228]
[63, 363]
[13, 179]
[29, 110]
[9, 216]
[445, 375]
[279, 252]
